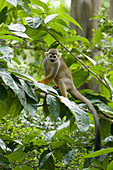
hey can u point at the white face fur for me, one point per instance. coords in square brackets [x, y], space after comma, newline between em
[53, 55]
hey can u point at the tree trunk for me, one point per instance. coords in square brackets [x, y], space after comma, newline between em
[111, 10]
[82, 11]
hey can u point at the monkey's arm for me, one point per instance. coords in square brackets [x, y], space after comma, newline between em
[50, 75]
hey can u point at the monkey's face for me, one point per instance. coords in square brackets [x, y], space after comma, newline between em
[53, 57]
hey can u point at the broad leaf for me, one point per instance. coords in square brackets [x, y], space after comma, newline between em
[23, 167]
[97, 36]
[3, 93]
[24, 6]
[110, 166]
[8, 80]
[10, 37]
[47, 160]
[17, 27]
[100, 152]
[7, 52]
[69, 157]
[49, 135]
[2, 145]
[81, 116]
[50, 18]
[69, 18]
[33, 22]
[41, 4]
[104, 108]
[53, 106]
[80, 77]
[17, 155]
[3, 15]
[13, 2]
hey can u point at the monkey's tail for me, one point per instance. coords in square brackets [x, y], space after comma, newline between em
[79, 96]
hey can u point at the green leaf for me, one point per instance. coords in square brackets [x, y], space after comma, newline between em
[69, 157]
[80, 77]
[13, 2]
[2, 4]
[79, 52]
[69, 18]
[17, 27]
[110, 166]
[81, 116]
[77, 38]
[16, 60]
[49, 135]
[47, 160]
[33, 22]
[35, 34]
[24, 6]
[2, 145]
[50, 18]
[109, 86]
[100, 152]
[3, 93]
[104, 108]
[17, 155]
[7, 52]
[23, 167]
[28, 90]
[16, 107]
[3, 15]
[10, 37]
[41, 4]
[49, 39]
[97, 36]
[104, 91]
[105, 132]
[53, 106]
[8, 80]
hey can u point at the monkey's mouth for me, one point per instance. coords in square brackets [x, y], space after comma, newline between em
[52, 60]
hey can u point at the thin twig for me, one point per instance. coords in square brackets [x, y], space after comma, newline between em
[101, 80]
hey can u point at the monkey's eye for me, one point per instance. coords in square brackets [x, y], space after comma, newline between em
[54, 56]
[50, 55]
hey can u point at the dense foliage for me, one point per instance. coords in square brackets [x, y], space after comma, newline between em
[45, 133]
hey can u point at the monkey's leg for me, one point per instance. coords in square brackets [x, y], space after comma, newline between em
[62, 88]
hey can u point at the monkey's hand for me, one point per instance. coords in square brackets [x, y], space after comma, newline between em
[56, 86]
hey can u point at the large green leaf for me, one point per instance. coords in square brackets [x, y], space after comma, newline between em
[105, 132]
[80, 77]
[81, 116]
[17, 155]
[41, 4]
[7, 52]
[110, 166]
[27, 88]
[24, 6]
[10, 37]
[77, 38]
[2, 4]
[69, 157]
[100, 152]
[69, 18]
[49, 39]
[23, 167]
[2, 145]
[13, 2]
[49, 135]
[53, 106]
[17, 27]
[3, 93]
[50, 18]
[3, 15]
[33, 22]
[104, 108]
[46, 160]
[9, 81]
[97, 36]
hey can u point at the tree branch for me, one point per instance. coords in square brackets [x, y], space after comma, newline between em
[100, 79]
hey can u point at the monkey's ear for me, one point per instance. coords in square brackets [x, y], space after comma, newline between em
[59, 55]
[46, 53]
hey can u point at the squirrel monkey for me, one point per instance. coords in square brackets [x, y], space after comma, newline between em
[56, 69]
